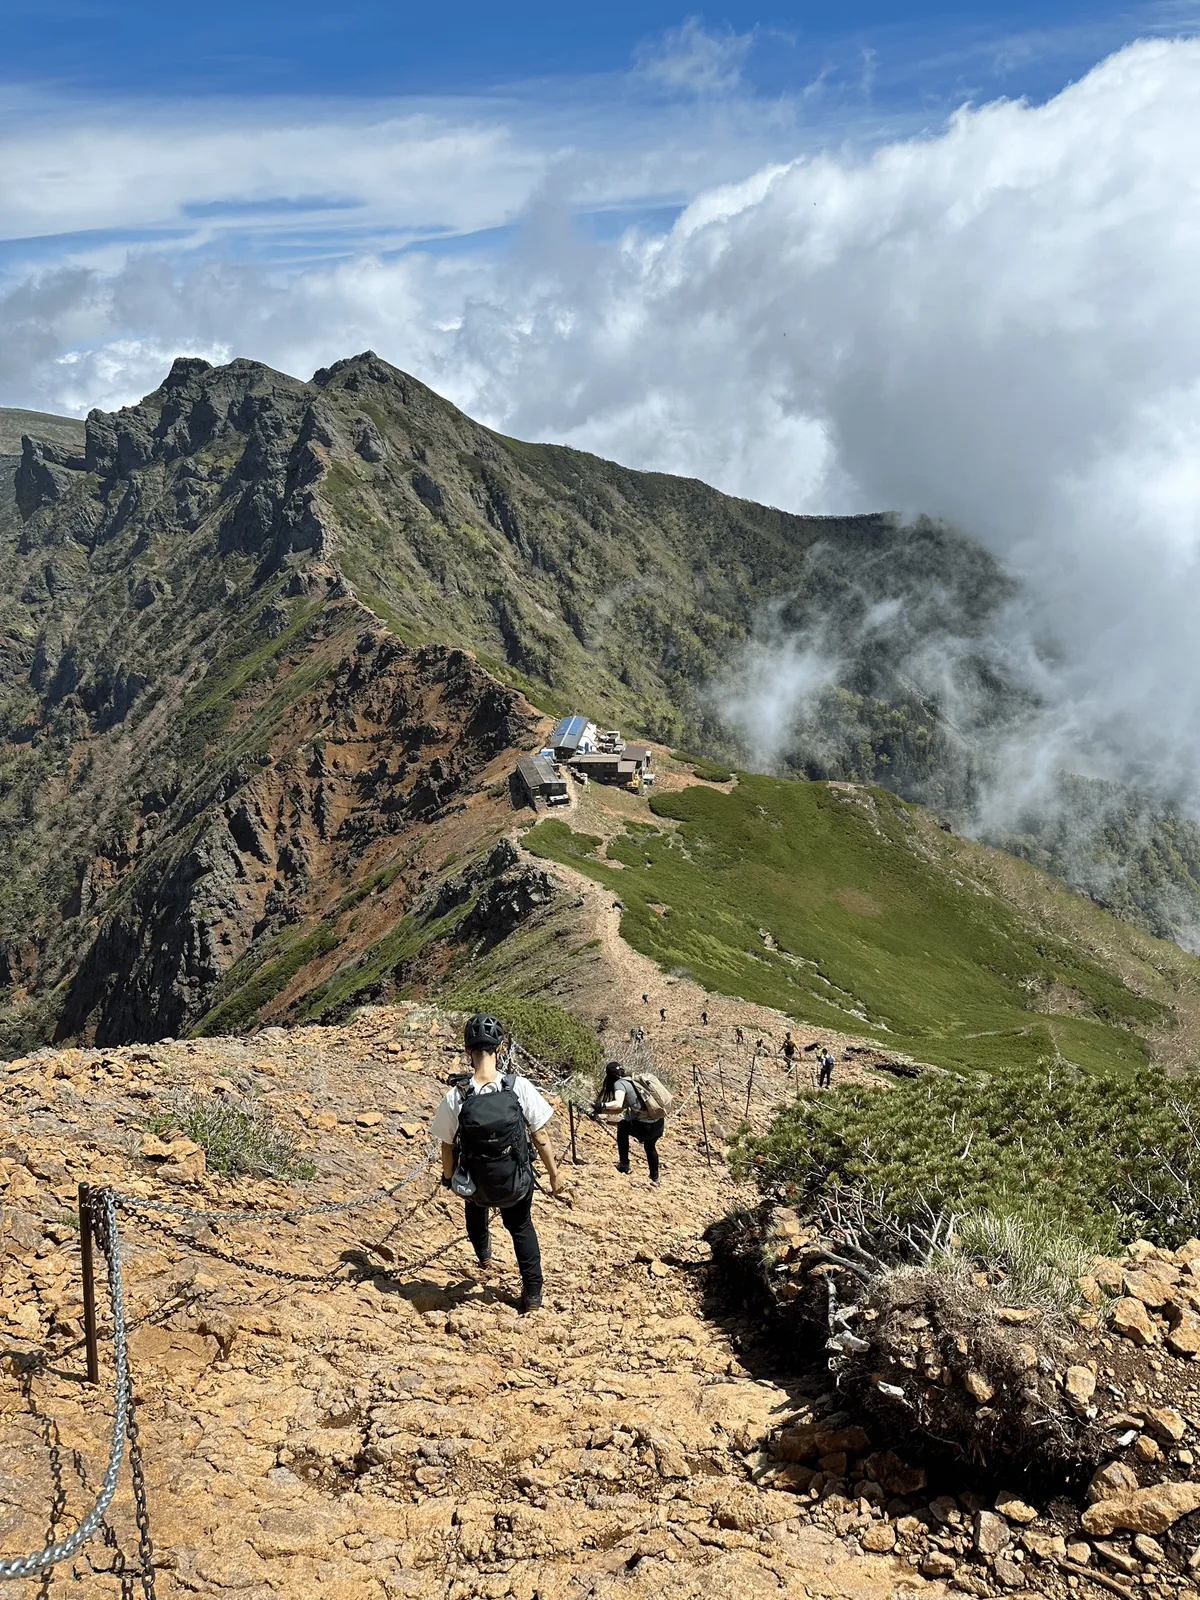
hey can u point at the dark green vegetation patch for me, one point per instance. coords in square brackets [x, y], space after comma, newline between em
[556, 1037]
[1109, 1153]
[839, 908]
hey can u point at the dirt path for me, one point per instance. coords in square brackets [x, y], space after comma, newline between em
[404, 1432]
[631, 991]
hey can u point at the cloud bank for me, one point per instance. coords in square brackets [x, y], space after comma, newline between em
[995, 323]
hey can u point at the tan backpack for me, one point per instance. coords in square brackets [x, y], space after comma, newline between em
[656, 1098]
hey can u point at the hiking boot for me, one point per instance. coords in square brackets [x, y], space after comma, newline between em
[622, 1166]
[655, 1183]
[485, 1267]
[530, 1302]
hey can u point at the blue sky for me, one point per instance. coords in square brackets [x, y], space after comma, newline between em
[914, 54]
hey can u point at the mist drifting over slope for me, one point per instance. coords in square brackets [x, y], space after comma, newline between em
[997, 325]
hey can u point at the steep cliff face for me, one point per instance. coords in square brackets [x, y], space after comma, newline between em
[348, 792]
[209, 743]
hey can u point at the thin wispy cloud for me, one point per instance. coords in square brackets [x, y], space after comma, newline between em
[694, 60]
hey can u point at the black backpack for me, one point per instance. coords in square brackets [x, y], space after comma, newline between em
[493, 1144]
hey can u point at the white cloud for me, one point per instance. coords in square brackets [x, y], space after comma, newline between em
[997, 323]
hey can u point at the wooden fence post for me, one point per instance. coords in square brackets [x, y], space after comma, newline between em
[571, 1120]
[89, 1284]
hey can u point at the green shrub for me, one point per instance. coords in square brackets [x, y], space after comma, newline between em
[711, 771]
[556, 1037]
[235, 1139]
[1109, 1155]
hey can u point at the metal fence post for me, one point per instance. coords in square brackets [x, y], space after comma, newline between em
[700, 1103]
[750, 1081]
[89, 1283]
[571, 1121]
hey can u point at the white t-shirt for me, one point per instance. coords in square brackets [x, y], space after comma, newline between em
[534, 1108]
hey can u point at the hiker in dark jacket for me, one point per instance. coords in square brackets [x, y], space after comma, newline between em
[825, 1081]
[620, 1094]
[485, 1152]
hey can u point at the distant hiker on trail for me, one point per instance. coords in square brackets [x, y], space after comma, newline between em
[642, 1107]
[738, 1036]
[825, 1081]
[704, 1018]
[789, 1052]
[662, 1012]
[645, 999]
[485, 1125]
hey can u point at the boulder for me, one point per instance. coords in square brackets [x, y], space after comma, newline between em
[1151, 1510]
[992, 1533]
[880, 1537]
[1080, 1384]
[894, 1475]
[979, 1387]
[1184, 1337]
[851, 1441]
[937, 1564]
[1014, 1509]
[1132, 1321]
[1115, 1556]
[1165, 1423]
[1114, 1479]
[1045, 1546]
[1151, 1288]
[1010, 1573]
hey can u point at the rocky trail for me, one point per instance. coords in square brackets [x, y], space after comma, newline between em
[400, 1431]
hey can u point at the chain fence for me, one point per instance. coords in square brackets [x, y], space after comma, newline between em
[101, 1218]
[133, 1202]
[50, 1555]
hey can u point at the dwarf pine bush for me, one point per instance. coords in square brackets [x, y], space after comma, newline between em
[1111, 1156]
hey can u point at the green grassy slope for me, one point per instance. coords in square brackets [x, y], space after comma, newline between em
[851, 910]
[39, 425]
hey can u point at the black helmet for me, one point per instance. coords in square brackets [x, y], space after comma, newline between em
[483, 1032]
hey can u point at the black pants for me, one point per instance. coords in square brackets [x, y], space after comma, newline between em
[516, 1218]
[825, 1081]
[648, 1134]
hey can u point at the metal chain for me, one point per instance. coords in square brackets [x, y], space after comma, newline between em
[237, 1261]
[132, 1202]
[104, 1222]
[141, 1509]
[423, 1261]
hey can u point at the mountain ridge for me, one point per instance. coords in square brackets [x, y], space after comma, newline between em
[270, 649]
